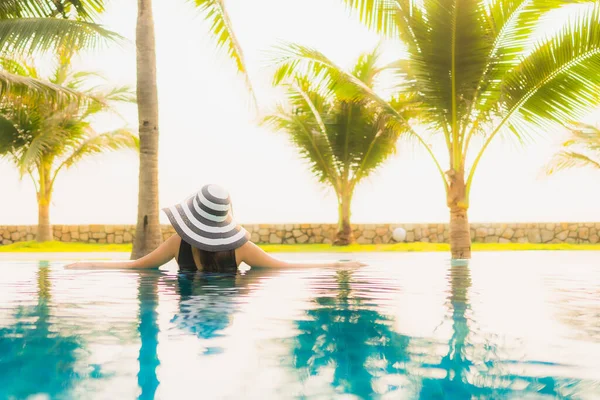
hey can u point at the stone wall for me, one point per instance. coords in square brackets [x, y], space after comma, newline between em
[324, 233]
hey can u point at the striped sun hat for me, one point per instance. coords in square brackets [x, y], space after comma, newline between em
[205, 220]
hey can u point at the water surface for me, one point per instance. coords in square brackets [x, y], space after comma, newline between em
[409, 326]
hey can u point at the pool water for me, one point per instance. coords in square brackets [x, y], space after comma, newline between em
[522, 325]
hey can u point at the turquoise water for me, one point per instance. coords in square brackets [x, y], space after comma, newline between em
[408, 326]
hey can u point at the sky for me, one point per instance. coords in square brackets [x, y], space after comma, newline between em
[210, 134]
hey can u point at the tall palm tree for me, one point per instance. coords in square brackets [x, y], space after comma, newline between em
[148, 234]
[479, 71]
[344, 138]
[42, 137]
[28, 26]
[582, 149]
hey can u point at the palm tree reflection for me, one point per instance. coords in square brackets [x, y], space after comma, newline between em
[148, 329]
[474, 367]
[346, 335]
[35, 357]
[357, 342]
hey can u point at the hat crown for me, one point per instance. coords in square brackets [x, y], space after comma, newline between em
[218, 192]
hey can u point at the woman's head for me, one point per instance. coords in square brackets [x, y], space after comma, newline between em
[205, 220]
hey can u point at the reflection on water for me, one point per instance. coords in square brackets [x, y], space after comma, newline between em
[35, 356]
[406, 327]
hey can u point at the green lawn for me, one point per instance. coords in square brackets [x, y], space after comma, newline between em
[60, 247]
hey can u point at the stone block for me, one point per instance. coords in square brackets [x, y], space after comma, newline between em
[264, 231]
[110, 238]
[534, 236]
[84, 228]
[290, 240]
[15, 236]
[594, 239]
[118, 239]
[275, 239]
[302, 239]
[584, 233]
[491, 239]
[562, 235]
[508, 233]
[99, 235]
[84, 237]
[369, 234]
[410, 237]
[127, 237]
[381, 231]
[29, 237]
[547, 235]
[6, 241]
[75, 235]
[572, 234]
[503, 240]
[66, 237]
[12, 229]
[102, 241]
[109, 229]
[96, 228]
[297, 233]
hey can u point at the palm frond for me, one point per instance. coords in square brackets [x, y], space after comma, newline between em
[581, 149]
[108, 141]
[19, 87]
[221, 28]
[311, 143]
[569, 159]
[559, 81]
[86, 9]
[27, 35]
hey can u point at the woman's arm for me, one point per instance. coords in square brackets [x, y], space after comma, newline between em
[163, 254]
[254, 256]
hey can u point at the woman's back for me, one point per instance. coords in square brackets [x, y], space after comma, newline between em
[209, 261]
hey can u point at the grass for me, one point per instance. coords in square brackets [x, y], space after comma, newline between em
[60, 247]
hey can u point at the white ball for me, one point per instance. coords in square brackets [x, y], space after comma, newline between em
[399, 234]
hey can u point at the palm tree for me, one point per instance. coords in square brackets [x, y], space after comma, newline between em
[148, 234]
[478, 71]
[344, 138]
[28, 26]
[42, 138]
[582, 149]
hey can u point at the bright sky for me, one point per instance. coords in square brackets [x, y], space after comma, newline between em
[209, 134]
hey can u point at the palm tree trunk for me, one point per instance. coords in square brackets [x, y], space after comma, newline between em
[147, 233]
[344, 235]
[460, 232]
[44, 231]
[44, 196]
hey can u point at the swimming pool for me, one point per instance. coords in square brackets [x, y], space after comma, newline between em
[511, 325]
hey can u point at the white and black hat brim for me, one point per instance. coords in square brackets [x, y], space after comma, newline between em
[204, 221]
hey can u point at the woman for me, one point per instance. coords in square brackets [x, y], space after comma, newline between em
[207, 239]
